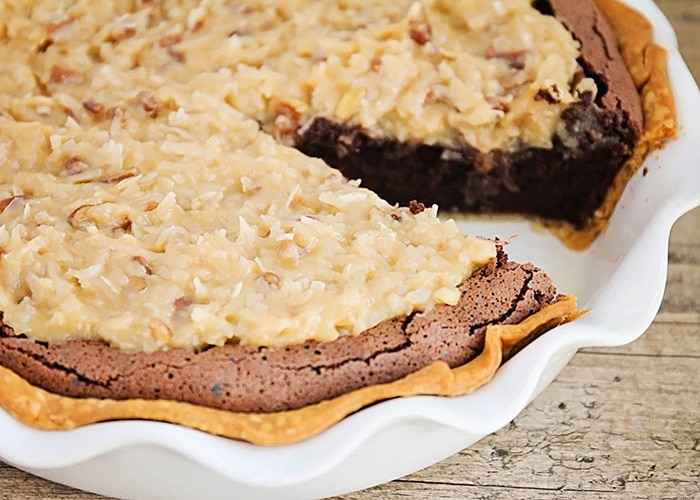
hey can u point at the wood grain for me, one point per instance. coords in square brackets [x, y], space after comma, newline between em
[617, 423]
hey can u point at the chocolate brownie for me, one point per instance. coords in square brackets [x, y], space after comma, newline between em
[566, 182]
[239, 378]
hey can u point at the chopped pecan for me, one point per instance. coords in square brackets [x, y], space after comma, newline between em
[119, 176]
[109, 175]
[515, 59]
[79, 218]
[483, 162]
[287, 122]
[288, 110]
[499, 105]
[549, 94]
[181, 304]
[93, 106]
[61, 74]
[415, 207]
[285, 128]
[99, 216]
[44, 46]
[8, 201]
[149, 104]
[144, 263]
[420, 31]
[177, 55]
[122, 32]
[170, 40]
[75, 165]
[116, 112]
[419, 28]
[54, 26]
[124, 223]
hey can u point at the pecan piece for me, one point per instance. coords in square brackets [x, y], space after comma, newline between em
[286, 123]
[181, 304]
[61, 74]
[515, 59]
[8, 201]
[119, 176]
[101, 216]
[168, 42]
[79, 218]
[144, 263]
[420, 31]
[549, 94]
[118, 113]
[483, 162]
[93, 107]
[415, 207]
[147, 102]
[125, 30]
[419, 28]
[75, 165]
[54, 26]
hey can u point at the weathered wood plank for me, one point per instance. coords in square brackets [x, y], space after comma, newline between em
[683, 282]
[667, 339]
[18, 485]
[606, 428]
[685, 18]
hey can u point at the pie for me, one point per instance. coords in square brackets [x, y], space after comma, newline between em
[182, 237]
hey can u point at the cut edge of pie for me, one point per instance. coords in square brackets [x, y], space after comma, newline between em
[647, 64]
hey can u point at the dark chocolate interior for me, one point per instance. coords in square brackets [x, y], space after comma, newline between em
[567, 182]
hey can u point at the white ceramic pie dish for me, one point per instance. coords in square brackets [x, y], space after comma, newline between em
[621, 279]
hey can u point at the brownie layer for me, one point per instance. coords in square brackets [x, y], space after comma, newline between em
[567, 182]
[239, 378]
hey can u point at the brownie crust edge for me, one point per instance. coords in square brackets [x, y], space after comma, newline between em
[240, 378]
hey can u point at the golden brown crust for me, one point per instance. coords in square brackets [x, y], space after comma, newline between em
[43, 410]
[646, 62]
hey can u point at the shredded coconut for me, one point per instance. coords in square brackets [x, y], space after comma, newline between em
[146, 196]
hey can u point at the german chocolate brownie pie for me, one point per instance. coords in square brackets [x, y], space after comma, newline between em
[225, 215]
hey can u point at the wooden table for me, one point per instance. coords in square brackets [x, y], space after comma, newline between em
[616, 423]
